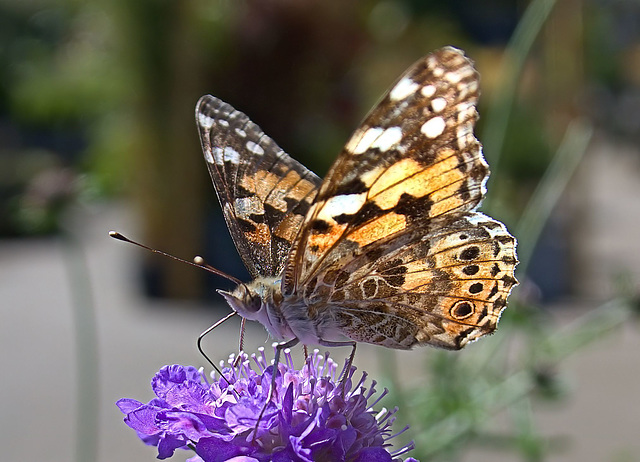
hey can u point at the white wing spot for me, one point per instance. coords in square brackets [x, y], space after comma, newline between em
[255, 148]
[208, 156]
[241, 132]
[438, 104]
[367, 139]
[231, 155]
[223, 122]
[483, 185]
[205, 121]
[466, 111]
[403, 88]
[247, 206]
[433, 128]
[389, 138]
[428, 91]
[347, 204]
[464, 134]
[218, 156]
[453, 77]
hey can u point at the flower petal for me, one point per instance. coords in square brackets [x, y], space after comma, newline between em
[168, 445]
[216, 450]
[127, 405]
[143, 420]
[378, 454]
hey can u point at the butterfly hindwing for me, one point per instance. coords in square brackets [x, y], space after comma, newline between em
[443, 286]
[264, 193]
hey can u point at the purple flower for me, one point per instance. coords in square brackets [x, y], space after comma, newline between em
[309, 418]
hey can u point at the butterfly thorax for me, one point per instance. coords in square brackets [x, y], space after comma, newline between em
[284, 317]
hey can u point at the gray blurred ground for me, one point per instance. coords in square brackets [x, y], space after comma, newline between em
[599, 422]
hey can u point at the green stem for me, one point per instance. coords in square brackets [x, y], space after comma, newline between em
[550, 188]
[85, 331]
[515, 57]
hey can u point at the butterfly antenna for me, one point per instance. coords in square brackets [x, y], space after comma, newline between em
[197, 261]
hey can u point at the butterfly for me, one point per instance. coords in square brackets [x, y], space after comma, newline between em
[389, 248]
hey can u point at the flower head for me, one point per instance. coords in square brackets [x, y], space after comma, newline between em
[309, 418]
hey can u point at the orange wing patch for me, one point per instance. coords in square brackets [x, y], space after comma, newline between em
[440, 181]
[272, 189]
[380, 228]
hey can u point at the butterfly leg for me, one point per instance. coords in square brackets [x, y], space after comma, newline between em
[240, 342]
[279, 347]
[347, 368]
[202, 335]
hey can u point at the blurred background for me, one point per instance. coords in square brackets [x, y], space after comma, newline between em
[97, 133]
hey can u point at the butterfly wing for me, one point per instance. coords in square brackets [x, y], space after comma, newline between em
[443, 286]
[412, 173]
[264, 193]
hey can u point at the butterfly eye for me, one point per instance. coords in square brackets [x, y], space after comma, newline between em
[250, 300]
[253, 303]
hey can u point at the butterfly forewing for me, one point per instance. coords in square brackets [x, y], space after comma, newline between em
[413, 159]
[264, 193]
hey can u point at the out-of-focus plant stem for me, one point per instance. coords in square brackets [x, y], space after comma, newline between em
[86, 348]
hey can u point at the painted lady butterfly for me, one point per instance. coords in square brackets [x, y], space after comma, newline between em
[388, 249]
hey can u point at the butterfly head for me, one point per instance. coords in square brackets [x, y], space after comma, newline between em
[258, 301]
[244, 301]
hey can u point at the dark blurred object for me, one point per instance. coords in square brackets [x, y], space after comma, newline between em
[489, 22]
[289, 71]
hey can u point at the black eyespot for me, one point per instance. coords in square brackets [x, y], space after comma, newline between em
[462, 309]
[471, 270]
[476, 288]
[470, 253]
